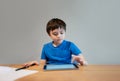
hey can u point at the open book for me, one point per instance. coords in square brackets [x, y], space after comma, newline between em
[9, 73]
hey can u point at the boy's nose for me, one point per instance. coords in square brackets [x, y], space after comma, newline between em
[58, 35]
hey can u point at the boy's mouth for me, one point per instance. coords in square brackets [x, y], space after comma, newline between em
[59, 39]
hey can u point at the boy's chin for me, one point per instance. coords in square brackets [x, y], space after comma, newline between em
[58, 41]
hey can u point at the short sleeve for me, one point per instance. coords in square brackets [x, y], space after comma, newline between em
[74, 49]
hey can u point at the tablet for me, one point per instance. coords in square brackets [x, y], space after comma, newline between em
[60, 67]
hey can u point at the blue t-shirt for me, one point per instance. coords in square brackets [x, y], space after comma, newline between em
[61, 54]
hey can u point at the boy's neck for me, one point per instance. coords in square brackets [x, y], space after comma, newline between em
[56, 44]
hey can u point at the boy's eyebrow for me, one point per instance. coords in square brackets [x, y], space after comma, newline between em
[57, 32]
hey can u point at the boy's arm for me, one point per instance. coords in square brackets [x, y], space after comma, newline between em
[42, 63]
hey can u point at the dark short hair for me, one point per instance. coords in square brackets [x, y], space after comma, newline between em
[55, 23]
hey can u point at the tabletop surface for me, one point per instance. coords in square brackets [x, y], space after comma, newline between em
[84, 73]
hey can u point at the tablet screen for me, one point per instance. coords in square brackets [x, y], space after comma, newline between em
[60, 67]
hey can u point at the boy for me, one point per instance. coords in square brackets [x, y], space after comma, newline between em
[59, 51]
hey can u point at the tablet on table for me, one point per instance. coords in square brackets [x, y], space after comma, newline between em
[60, 67]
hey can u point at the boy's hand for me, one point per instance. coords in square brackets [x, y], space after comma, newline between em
[30, 63]
[80, 59]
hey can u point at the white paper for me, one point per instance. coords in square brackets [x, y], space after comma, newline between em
[9, 73]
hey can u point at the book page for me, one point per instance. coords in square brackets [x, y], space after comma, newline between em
[9, 73]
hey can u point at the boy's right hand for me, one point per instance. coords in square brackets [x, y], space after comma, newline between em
[30, 63]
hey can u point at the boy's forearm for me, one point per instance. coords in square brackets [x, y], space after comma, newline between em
[42, 63]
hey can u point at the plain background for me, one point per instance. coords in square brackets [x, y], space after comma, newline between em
[93, 25]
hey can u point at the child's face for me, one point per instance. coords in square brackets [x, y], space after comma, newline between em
[57, 35]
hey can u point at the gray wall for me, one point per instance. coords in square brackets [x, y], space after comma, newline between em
[93, 25]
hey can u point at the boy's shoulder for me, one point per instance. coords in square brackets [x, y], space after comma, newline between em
[70, 43]
[67, 41]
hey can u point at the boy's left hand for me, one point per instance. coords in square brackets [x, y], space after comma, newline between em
[80, 59]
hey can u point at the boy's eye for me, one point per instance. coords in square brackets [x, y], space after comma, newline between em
[61, 33]
[55, 34]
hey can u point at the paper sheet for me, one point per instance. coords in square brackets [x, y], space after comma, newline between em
[9, 73]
